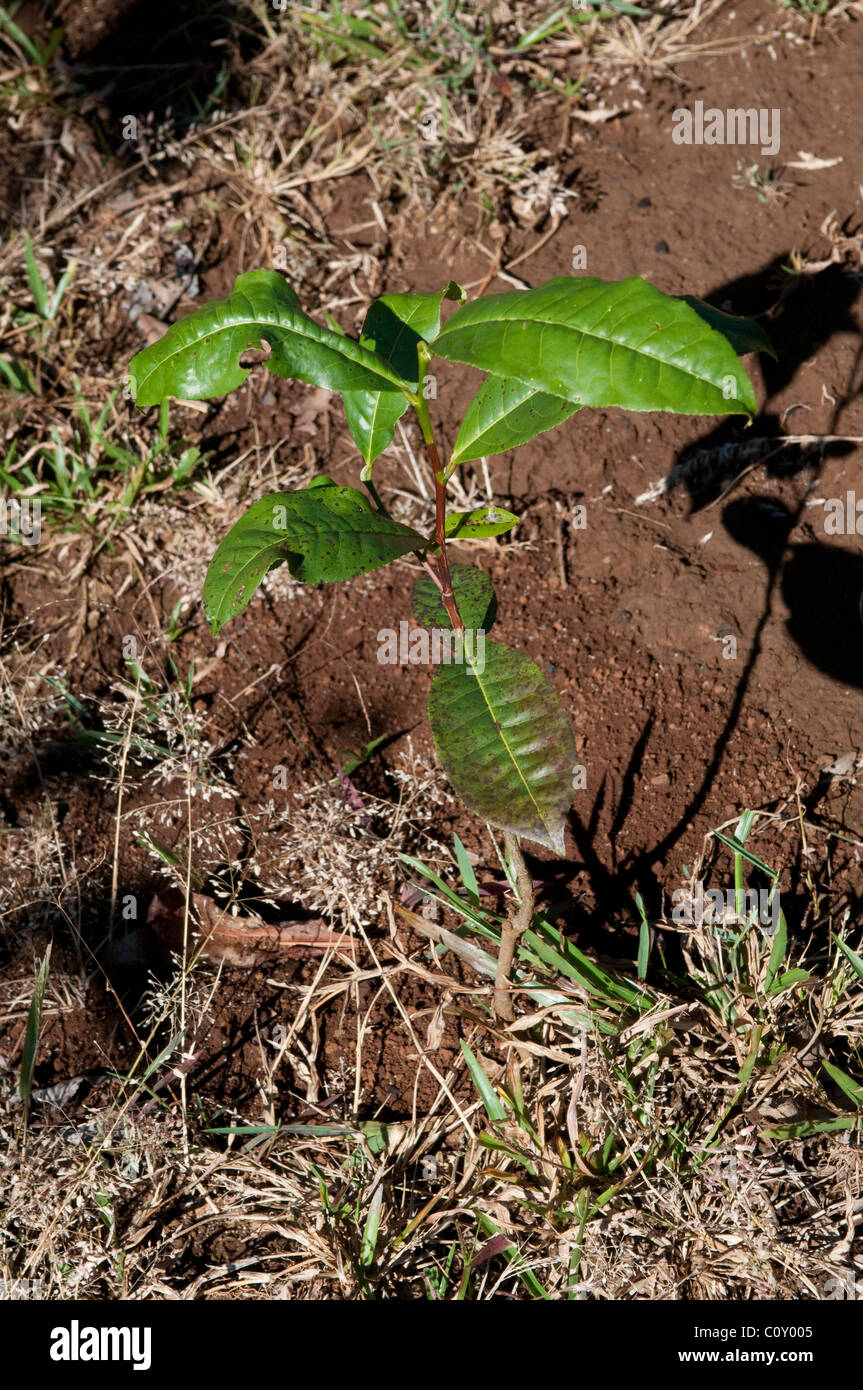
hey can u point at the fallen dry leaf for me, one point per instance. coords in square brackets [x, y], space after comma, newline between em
[811, 161]
[241, 941]
[152, 329]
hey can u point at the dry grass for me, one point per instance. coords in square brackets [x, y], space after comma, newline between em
[637, 1151]
[620, 1170]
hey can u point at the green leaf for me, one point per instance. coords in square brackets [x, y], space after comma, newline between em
[33, 1028]
[791, 977]
[372, 417]
[851, 956]
[34, 279]
[504, 742]
[805, 1129]
[465, 868]
[738, 847]
[504, 414]
[199, 356]
[485, 521]
[643, 938]
[777, 952]
[474, 596]
[33, 50]
[847, 1084]
[602, 343]
[565, 959]
[325, 533]
[745, 1073]
[357, 759]
[162, 1057]
[372, 1227]
[494, 1106]
[485, 964]
[490, 1141]
[554, 22]
[393, 328]
[396, 324]
[744, 335]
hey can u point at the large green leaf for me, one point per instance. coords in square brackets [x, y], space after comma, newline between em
[602, 343]
[504, 414]
[473, 593]
[393, 328]
[505, 742]
[396, 324]
[323, 532]
[744, 335]
[199, 356]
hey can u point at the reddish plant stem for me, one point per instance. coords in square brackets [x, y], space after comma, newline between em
[447, 596]
[418, 555]
[521, 913]
[430, 571]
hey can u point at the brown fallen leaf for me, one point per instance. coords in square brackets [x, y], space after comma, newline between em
[151, 328]
[241, 941]
[313, 405]
[598, 114]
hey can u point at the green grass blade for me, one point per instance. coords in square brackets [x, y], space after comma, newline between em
[465, 868]
[513, 1258]
[777, 952]
[59, 293]
[643, 938]
[805, 1129]
[851, 956]
[846, 1083]
[32, 50]
[371, 1229]
[494, 1106]
[34, 280]
[738, 847]
[31, 1033]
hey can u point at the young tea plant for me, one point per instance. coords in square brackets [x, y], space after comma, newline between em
[499, 728]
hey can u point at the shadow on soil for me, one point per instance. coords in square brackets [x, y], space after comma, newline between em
[800, 314]
[169, 59]
[821, 584]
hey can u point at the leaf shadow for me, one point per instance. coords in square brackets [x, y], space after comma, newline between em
[801, 314]
[821, 584]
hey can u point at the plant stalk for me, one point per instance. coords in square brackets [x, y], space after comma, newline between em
[519, 919]
[442, 563]
[447, 595]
